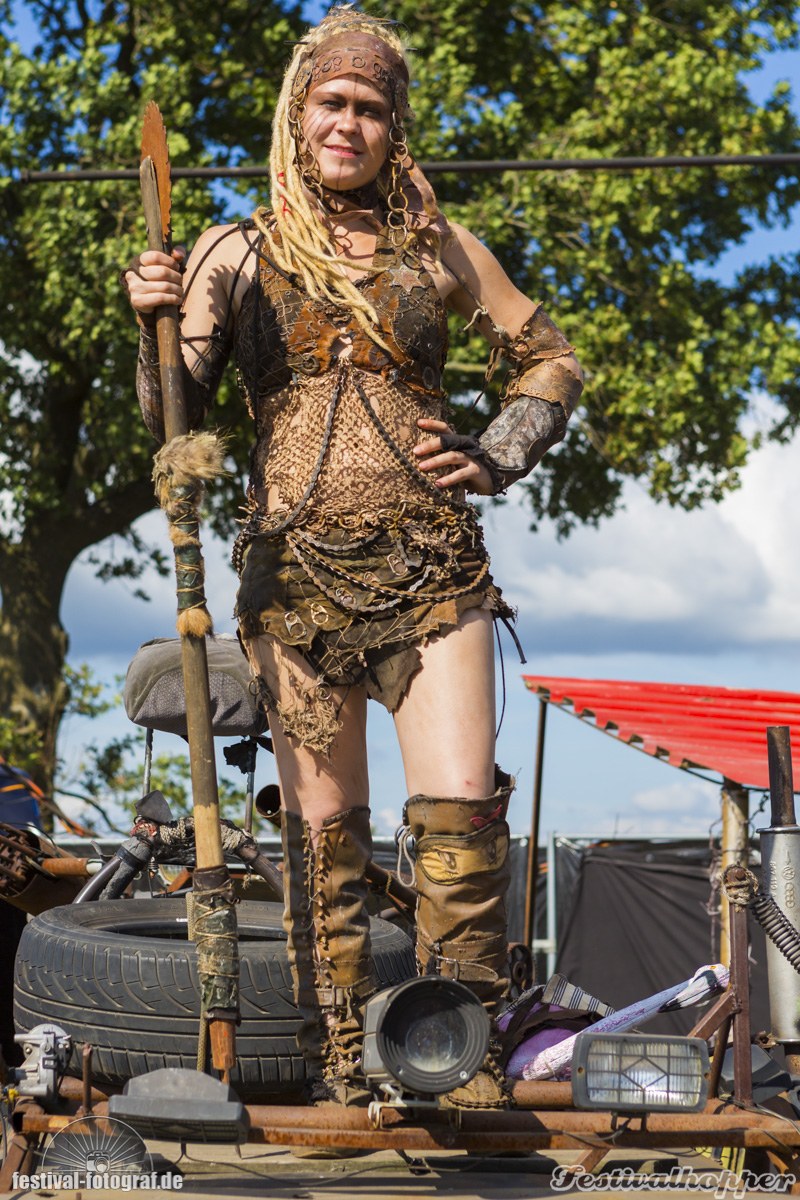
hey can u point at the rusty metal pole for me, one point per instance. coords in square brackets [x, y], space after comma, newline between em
[86, 1080]
[735, 833]
[199, 720]
[781, 778]
[543, 1119]
[533, 841]
[18, 1160]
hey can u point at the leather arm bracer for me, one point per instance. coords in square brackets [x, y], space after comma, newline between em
[537, 401]
[519, 437]
[199, 385]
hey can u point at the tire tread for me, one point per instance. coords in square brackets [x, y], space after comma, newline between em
[124, 993]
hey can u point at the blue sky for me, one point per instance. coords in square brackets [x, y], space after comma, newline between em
[702, 597]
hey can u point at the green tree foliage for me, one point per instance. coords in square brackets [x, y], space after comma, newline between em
[75, 466]
[671, 354]
[623, 260]
[112, 778]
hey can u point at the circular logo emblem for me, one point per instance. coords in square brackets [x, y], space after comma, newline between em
[96, 1146]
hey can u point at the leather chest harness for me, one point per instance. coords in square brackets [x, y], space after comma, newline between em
[283, 333]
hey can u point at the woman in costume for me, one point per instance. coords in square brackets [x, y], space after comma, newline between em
[362, 567]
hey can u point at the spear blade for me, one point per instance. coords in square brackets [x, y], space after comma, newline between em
[155, 147]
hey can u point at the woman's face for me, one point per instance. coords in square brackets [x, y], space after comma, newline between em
[347, 125]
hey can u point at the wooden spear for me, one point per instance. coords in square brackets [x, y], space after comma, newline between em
[179, 492]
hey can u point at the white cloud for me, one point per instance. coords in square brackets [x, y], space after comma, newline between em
[386, 821]
[661, 579]
[652, 578]
[684, 808]
[108, 618]
[617, 592]
[688, 798]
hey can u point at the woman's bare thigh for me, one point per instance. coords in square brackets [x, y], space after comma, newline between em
[446, 720]
[315, 784]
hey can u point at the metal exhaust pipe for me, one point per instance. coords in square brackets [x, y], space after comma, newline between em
[780, 875]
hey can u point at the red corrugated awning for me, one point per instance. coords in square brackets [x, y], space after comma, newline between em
[711, 728]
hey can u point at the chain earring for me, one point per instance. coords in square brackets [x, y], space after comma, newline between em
[397, 201]
[304, 156]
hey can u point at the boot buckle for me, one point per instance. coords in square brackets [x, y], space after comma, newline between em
[331, 997]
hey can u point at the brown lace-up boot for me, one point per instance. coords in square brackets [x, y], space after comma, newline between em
[462, 875]
[325, 918]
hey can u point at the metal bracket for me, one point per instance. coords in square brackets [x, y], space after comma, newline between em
[402, 1101]
[47, 1049]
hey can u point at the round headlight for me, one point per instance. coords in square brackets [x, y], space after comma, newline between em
[433, 1035]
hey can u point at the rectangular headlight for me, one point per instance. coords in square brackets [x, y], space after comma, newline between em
[630, 1072]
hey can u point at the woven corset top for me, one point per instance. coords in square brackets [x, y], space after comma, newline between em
[336, 414]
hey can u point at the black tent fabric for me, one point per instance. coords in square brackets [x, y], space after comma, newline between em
[639, 922]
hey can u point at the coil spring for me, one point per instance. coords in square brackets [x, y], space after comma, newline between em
[777, 927]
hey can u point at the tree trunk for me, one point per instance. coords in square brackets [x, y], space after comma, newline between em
[33, 647]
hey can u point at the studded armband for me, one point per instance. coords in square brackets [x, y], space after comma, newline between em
[536, 371]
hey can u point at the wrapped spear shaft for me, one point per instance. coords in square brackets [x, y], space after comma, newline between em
[182, 467]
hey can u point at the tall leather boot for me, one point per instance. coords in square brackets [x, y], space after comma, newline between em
[327, 925]
[462, 874]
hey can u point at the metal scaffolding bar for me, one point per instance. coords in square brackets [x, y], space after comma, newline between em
[457, 166]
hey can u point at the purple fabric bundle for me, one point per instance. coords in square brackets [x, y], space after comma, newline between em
[539, 1029]
[543, 1017]
[549, 1035]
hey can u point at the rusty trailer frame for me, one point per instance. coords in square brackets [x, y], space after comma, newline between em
[543, 1117]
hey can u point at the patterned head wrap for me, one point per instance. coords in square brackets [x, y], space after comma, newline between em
[357, 53]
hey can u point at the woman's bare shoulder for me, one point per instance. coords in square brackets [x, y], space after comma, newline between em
[221, 266]
[223, 245]
[459, 233]
[464, 249]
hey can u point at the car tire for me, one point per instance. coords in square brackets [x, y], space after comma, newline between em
[121, 976]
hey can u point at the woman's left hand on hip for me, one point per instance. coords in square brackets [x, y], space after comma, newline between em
[466, 470]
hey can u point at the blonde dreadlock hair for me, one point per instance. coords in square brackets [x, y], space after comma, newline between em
[298, 240]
